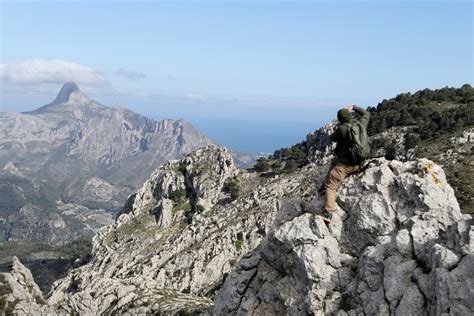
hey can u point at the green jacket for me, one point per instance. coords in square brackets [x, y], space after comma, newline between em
[342, 138]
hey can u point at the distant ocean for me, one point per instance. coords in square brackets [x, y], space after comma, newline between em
[253, 136]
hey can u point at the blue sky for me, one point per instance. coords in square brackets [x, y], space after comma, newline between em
[254, 76]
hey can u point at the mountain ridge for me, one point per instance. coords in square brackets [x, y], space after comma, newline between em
[87, 153]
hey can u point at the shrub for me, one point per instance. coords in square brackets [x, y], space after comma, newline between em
[232, 187]
[199, 208]
[261, 165]
[411, 140]
[390, 151]
[238, 242]
[178, 196]
[291, 166]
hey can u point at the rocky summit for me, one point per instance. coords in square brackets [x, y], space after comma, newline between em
[203, 237]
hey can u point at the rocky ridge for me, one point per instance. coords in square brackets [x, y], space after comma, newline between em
[398, 245]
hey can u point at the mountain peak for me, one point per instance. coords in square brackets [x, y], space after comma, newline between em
[66, 91]
[69, 97]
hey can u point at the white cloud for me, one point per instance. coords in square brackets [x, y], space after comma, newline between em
[41, 71]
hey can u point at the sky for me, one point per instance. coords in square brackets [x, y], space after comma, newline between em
[252, 75]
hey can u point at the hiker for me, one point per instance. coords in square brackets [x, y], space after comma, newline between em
[352, 148]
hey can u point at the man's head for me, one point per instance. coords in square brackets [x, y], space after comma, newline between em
[344, 116]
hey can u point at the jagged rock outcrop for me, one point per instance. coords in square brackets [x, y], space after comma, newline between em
[20, 292]
[466, 137]
[398, 245]
[319, 144]
[184, 244]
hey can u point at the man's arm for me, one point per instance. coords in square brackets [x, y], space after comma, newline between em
[364, 120]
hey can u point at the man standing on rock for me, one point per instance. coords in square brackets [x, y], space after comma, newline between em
[352, 148]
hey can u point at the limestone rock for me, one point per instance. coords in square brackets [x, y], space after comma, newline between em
[19, 292]
[181, 233]
[402, 222]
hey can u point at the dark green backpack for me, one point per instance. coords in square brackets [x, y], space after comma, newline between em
[359, 148]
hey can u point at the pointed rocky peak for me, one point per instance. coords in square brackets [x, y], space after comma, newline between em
[70, 97]
[68, 92]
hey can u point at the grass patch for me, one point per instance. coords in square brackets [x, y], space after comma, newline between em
[184, 206]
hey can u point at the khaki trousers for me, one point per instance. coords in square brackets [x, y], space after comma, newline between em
[337, 172]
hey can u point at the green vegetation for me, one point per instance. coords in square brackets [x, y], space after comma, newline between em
[24, 249]
[178, 196]
[433, 117]
[232, 187]
[75, 249]
[411, 140]
[284, 160]
[185, 206]
[390, 150]
[432, 113]
[182, 168]
[238, 242]
[139, 224]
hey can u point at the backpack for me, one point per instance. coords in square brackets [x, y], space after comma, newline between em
[359, 142]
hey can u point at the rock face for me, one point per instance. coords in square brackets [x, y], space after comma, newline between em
[180, 232]
[398, 245]
[319, 144]
[20, 294]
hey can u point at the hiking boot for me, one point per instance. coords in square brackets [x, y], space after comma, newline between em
[326, 216]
